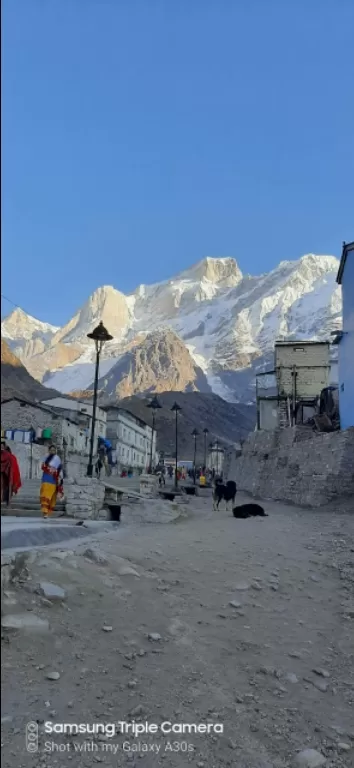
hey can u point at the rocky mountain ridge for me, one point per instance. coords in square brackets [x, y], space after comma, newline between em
[215, 329]
[15, 379]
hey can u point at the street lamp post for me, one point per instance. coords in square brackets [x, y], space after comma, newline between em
[154, 405]
[176, 408]
[195, 434]
[217, 457]
[205, 432]
[99, 335]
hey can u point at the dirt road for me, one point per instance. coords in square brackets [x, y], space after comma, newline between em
[245, 625]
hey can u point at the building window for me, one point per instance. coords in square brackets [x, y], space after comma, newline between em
[134, 456]
[122, 451]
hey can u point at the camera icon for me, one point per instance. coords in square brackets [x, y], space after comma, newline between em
[32, 737]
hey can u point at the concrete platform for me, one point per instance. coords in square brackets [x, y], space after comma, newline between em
[30, 533]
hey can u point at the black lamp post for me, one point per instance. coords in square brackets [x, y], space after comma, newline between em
[154, 405]
[99, 335]
[217, 456]
[195, 434]
[176, 408]
[205, 432]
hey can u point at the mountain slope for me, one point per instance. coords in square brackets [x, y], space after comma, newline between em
[15, 379]
[227, 322]
[161, 362]
[26, 335]
[226, 422]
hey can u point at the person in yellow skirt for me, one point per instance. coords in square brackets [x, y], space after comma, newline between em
[52, 482]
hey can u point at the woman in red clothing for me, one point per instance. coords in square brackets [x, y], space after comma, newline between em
[10, 474]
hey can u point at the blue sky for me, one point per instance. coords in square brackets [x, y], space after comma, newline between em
[141, 136]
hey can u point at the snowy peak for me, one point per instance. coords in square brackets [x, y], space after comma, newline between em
[106, 304]
[223, 272]
[310, 265]
[18, 325]
[25, 335]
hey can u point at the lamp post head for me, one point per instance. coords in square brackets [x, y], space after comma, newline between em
[100, 335]
[176, 407]
[195, 434]
[205, 431]
[154, 404]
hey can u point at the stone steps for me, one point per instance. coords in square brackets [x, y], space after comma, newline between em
[25, 512]
[32, 504]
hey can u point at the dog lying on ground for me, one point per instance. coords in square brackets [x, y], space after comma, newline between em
[248, 510]
[225, 493]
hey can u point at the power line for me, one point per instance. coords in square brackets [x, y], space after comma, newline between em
[17, 306]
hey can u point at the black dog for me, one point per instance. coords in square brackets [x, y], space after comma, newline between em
[224, 492]
[248, 510]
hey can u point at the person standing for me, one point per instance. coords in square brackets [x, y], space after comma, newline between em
[52, 482]
[10, 474]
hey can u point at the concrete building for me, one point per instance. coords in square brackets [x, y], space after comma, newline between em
[345, 338]
[215, 459]
[288, 394]
[131, 439]
[81, 411]
[21, 415]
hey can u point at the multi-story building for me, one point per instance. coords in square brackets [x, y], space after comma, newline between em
[131, 439]
[345, 338]
[81, 411]
[20, 417]
[301, 371]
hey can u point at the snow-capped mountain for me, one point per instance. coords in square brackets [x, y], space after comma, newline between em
[26, 335]
[227, 321]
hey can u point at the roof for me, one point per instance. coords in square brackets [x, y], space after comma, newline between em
[300, 342]
[345, 250]
[115, 407]
[34, 404]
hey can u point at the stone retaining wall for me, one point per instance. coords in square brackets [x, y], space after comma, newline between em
[84, 497]
[296, 465]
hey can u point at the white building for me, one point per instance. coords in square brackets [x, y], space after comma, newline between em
[19, 416]
[130, 438]
[81, 411]
[216, 458]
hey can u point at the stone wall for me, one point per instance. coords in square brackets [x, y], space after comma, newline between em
[296, 465]
[17, 416]
[75, 464]
[84, 497]
[30, 459]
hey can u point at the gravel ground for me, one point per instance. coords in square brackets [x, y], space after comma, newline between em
[243, 624]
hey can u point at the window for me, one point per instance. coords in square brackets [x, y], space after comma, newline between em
[122, 451]
[72, 442]
[134, 456]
